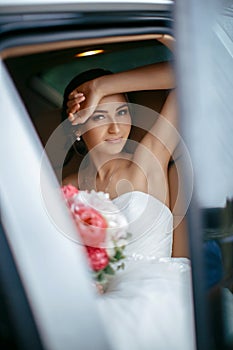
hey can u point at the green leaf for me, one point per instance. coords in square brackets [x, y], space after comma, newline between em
[121, 266]
[100, 276]
[113, 260]
[119, 255]
[109, 270]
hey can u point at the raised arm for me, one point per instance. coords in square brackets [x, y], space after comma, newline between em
[85, 97]
[163, 136]
[158, 76]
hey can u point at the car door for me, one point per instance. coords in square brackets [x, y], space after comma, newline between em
[204, 49]
[55, 304]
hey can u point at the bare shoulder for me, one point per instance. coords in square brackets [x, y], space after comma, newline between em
[71, 180]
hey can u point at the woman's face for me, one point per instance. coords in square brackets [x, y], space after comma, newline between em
[108, 128]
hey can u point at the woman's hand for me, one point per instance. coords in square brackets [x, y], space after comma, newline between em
[74, 104]
[83, 101]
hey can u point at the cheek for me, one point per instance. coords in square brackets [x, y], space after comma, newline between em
[92, 137]
[127, 126]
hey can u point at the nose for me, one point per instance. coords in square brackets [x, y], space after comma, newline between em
[113, 128]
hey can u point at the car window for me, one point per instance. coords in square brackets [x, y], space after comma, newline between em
[35, 72]
[41, 78]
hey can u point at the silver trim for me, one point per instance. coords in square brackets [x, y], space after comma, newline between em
[53, 269]
[21, 6]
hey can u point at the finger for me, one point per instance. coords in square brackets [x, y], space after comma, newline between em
[71, 117]
[77, 99]
[77, 121]
[75, 94]
[79, 118]
[73, 101]
[74, 106]
[73, 110]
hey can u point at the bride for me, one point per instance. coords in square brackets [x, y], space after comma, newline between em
[148, 305]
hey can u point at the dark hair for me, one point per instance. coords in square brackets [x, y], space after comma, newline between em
[79, 80]
[78, 146]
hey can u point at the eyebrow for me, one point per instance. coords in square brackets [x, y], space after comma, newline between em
[99, 111]
[122, 106]
[103, 111]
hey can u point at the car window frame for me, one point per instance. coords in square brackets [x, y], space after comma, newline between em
[19, 124]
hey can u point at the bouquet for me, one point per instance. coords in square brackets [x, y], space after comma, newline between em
[103, 230]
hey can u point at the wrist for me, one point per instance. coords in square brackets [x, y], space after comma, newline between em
[99, 86]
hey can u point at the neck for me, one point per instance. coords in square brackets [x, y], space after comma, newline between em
[103, 166]
[102, 172]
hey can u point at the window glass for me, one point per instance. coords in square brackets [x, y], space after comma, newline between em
[205, 78]
[41, 79]
[115, 57]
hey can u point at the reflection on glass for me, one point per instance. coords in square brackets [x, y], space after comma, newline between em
[156, 281]
[218, 248]
[125, 156]
[208, 128]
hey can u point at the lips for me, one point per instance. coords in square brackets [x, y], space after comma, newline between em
[114, 140]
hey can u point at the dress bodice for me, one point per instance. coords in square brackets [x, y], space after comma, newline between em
[148, 305]
[150, 224]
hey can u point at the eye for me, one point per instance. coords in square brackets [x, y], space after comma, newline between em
[98, 117]
[123, 111]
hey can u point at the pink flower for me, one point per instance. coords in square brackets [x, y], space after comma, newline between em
[98, 258]
[102, 228]
[91, 225]
[69, 191]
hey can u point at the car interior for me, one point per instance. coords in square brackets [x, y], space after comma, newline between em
[42, 76]
[42, 72]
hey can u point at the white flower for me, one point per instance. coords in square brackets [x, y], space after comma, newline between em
[117, 223]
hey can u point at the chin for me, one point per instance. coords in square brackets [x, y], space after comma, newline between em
[116, 149]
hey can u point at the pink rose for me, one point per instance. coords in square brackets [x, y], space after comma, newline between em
[91, 225]
[98, 258]
[69, 191]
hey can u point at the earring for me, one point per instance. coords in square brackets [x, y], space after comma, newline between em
[78, 135]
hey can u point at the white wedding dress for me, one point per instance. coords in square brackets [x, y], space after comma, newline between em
[148, 305]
